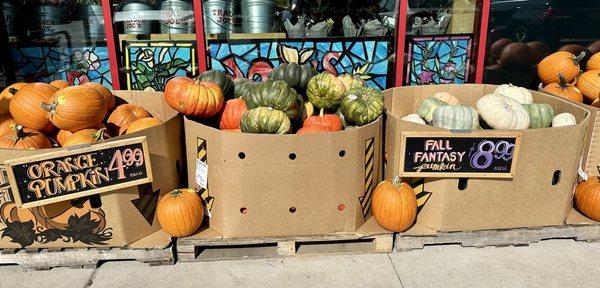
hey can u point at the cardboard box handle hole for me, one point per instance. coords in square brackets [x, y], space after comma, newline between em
[341, 207]
[292, 156]
[244, 210]
[292, 209]
[342, 153]
[556, 177]
[242, 155]
[462, 183]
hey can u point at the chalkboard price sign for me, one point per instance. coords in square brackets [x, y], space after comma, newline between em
[68, 174]
[446, 154]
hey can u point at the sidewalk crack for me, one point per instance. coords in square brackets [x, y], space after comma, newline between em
[395, 270]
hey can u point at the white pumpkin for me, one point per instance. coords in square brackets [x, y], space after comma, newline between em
[520, 94]
[564, 119]
[414, 118]
[456, 117]
[501, 112]
[447, 98]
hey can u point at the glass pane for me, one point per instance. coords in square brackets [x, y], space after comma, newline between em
[439, 17]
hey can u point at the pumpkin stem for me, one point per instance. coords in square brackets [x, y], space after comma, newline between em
[579, 57]
[99, 135]
[562, 82]
[19, 133]
[48, 107]
[321, 113]
[397, 181]
[176, 192]
[13, 90]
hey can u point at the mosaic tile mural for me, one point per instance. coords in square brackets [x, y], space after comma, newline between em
[150, 64]
[367, 58]
[438, 60]
[75, 65]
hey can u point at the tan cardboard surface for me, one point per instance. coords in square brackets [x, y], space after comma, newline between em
[527, 200]
[323, 187]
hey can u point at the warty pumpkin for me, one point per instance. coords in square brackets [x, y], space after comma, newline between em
[142, 124]
[331, 121]
[517, 93]
[315, 128]
[108, 96]
[59, 84]
[7, 94]
[589, 85]
[540, 115]
[265, 120]
[501, 112]
[325, 91]
[86, 136]
[125, 114]
[180, 212]
[455, 117]
[220, 79]
[394, 205]
[561, 62]
[75, 108]
[594, 62]
[428, 106]
[295, 75]
[564, 119]
[362, 105]
[277, 95]
[26, 106]
[24, 138]
[194, 98]
[587, 197]
[564, 90]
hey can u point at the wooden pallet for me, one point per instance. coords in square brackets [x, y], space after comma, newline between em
[44, 259]
[210, 245]
[577, 227]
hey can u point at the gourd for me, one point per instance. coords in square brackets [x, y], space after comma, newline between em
[501, 112]
[315, 128]
[7, 94]
[587, 197]
[295, 75]
[414, 118]
[219, 78]
[540, 115]
[232, 114]
[75, 108]
[24, 138]
[589, 84]
[86, 136]
[325, 91]
[331, 121]
[428, 107]
[517, 56]
[125, 114]
[446, 98]
[180, 212]
[193, 97]
[564, 119]
[456, 117]
[277, 95]
[517, 93]
[265, 120]
[242, 87]
[59, 84]
[561, 62]
[26, 106]
[351, 81]
[142, 124]
[108, 96]
[594, 62]
[394, 205]
[564, 90]
[362, 105]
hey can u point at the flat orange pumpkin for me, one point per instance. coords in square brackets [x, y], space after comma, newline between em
[143, 123]
[194, 98]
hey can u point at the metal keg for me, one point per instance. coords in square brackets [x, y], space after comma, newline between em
[177, 17]
[93, 21]
[257, 16]
[219, 16]
[45, 20]
[137, 26]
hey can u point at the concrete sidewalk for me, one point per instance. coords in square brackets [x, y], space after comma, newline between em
[555, 263]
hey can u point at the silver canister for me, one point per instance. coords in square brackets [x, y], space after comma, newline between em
[93, 21]
[218, 16]
[177, 17]
[46, 20]
[257, 16]
[137, 26]
[10, 17]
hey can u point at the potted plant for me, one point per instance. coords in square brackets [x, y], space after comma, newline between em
[93, 18]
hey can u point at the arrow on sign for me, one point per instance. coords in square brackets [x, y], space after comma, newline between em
[147, 202]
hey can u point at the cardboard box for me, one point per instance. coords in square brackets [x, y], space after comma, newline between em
[114, 218]
[285, 185]
[529, 199]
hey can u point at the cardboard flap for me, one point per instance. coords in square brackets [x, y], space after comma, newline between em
[81, 171]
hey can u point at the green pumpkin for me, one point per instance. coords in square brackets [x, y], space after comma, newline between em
[220, 79]
[428, 107]
[456, 117]
[265, 120]
[351, 81]
[242, 87]
[362, 105]
[277, 95]
[296, 76]
[540, 115]
[325, 91]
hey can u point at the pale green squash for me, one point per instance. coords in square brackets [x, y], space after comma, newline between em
[428, 107]
[455, 117]
[540, 115]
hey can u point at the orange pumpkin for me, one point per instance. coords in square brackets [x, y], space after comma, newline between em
[331, 121]
[142, 124]
[75, 108]
[232, 114]
[561, 62]
[394, 205]
[238, 130]
[59, 84]
[108, 96]
[180, 212]
[62, 135]
[594, 62]
[589, 84]
[315, 128]
[194, 97]
[24, 138]
[564, 90]
[587, 197]
[86, 136]
[125, 114]
[26, 106]
[7, 124]
[8, 94]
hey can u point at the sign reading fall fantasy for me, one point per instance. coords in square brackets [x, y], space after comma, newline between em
[445, 154]
[68, 174]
